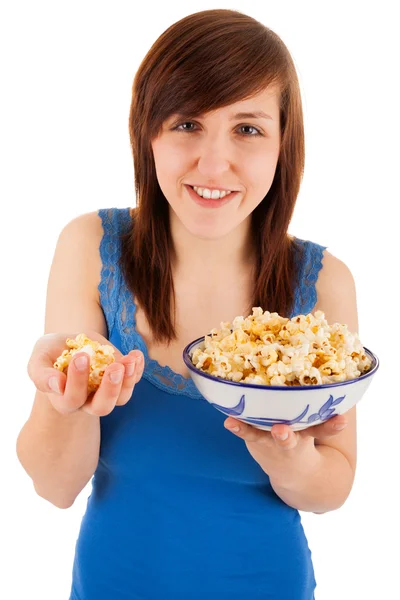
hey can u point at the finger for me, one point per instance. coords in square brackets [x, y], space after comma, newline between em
[44, 354]
[41, 371]
[247, 432]
[106, 396]
[140, 365]
[134, 366]
[284, 437]
[329, 428]
[75, 392]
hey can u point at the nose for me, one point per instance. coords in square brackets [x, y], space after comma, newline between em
[213, 159]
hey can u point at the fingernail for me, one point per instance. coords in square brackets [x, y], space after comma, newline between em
[340, 426]
[235, 428]
[116, 376]
[130, 368]
[282, 436]
[53, 385]
[81, 363]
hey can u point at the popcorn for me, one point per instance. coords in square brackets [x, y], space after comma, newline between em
[100, 356]
[265, 348]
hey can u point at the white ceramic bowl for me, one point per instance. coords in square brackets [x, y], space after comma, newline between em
[265, 405]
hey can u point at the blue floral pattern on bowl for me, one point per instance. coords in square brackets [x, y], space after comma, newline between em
[325, 412]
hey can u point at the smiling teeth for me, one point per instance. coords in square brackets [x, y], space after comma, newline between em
[214, 195]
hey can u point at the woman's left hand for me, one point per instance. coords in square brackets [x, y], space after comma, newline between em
[282, 453]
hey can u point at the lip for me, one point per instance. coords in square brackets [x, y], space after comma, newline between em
[211, 188]
[209, 202]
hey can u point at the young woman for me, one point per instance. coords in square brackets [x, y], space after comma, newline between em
[184, 505]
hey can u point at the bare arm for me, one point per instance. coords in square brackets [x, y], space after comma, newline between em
[60, 451]
[326, 488]
[313, 469]
[330, 484]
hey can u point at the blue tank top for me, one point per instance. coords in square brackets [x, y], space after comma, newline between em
[179, 510]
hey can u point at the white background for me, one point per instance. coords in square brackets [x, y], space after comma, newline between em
[66, 75]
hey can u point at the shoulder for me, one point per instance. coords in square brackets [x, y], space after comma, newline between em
[94, 233]
[96, 225]
[87, 225]
[85, 232]
[326, 283]
[336, 292]
[333, 272]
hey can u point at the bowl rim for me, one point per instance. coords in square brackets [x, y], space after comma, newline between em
[193, 369]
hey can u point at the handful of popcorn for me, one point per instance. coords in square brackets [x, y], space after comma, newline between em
[265, 348]
[100, 356]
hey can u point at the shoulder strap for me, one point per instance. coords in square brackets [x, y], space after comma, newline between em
[113, 220]
[309, 265]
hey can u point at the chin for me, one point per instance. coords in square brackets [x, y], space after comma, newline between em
[207, 228]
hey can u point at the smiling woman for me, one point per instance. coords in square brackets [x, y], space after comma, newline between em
[180, 506]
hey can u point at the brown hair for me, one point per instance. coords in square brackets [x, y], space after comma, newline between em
[205, 61]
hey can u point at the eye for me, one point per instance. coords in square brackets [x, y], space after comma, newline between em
[177, 128]
[257, 131]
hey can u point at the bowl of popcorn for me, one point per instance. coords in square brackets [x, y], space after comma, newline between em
[266, 369]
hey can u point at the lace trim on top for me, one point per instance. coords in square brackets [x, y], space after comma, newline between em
[120, 309]
[309, 267]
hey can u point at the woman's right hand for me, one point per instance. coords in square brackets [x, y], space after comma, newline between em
[73, 386]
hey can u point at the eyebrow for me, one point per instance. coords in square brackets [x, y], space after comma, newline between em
[258, 114]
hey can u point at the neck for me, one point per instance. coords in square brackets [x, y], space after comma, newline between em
[218, 260]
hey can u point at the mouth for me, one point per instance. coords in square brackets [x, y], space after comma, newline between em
[209, 202]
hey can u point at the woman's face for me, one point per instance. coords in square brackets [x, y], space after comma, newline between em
[219, 150]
